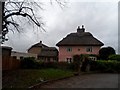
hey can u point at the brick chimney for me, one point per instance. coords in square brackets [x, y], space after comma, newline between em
[80, 30]
[40, 42]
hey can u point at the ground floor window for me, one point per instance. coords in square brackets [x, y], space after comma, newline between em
[93, 58]
[69, 60]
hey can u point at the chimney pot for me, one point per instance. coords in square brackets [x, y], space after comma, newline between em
[80, 30]
[40, 41]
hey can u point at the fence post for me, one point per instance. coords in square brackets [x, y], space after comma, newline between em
[0, 46]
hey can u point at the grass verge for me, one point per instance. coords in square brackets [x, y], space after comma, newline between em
[27, 77]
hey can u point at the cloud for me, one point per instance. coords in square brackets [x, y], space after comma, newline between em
[99, 18]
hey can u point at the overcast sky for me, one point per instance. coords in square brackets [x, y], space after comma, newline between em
[99, 18]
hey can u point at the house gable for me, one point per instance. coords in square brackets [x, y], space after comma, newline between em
[80, 38]
[78, 43]
[44, 52]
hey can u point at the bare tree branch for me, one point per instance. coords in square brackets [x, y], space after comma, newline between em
[23, 9]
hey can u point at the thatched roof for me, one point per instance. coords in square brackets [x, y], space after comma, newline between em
[48, 52]
[45, 50]
[40, 44]
[80, 38]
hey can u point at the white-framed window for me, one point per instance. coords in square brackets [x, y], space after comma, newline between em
[93, 58]
[89, 49]
[69, 49]
[69, 60]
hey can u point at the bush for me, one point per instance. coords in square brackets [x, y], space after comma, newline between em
[85, 62]
[114, 57]
[105, 52]
[76, 62]
[105, 66]
[28, 63]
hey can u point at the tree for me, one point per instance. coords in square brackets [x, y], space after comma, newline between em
[105, 52]
[80, 62]
[15, 13]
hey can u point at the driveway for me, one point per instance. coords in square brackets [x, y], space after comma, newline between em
[86, 81]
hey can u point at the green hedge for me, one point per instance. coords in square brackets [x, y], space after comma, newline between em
[114, 57]
[30, 63]
[59, 65]
[105, 66]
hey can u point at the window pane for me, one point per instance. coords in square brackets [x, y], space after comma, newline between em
[89, 49]
[69, 49]
[78, 49]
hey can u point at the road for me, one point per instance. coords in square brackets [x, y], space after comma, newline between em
[86, 81]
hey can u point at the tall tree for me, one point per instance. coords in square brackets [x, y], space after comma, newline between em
[15, 13]
[105, 52]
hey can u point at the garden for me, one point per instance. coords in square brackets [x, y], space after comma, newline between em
[33, 72]
[25, 78]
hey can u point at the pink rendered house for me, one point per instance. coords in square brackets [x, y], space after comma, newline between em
[78, 43]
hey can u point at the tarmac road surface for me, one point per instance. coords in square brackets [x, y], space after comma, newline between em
[86, 81]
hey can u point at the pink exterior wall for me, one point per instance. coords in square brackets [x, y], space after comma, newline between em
[63, 53]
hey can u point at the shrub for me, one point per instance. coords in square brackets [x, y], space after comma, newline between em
[105, 52]
[85, 62]
[65, 65]
[114, 57]
[76, 62]
[56, 65]
[28, 63]
[105, 66]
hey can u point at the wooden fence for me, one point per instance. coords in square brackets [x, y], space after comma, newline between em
[10, 63]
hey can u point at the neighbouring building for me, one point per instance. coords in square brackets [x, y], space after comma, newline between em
[77, 43]
[44, 53]
[21, 55]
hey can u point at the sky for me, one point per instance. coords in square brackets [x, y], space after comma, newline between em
[99, 18]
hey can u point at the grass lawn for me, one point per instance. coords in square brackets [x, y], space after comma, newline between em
[27, 77]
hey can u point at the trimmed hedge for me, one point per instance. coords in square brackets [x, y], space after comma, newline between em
[59, 65]
[114, 57]
[105, 66]
[30, 63]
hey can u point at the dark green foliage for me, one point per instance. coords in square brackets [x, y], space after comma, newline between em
[28, 63]
[114, 57]
[94, 55]
[105, 66]
[85, 62]
[80, 60]
[93, 65]
[105, 52]
[76, 62]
